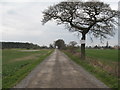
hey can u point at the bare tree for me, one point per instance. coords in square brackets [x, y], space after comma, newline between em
[94, 17]
[73, 43]
[72, 47]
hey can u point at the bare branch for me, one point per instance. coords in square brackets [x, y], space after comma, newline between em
[96, 17]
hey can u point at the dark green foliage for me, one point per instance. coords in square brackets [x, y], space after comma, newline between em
[9, 45]
[60, 44]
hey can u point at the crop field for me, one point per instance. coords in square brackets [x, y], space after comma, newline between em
[17, 63]
[106, 55]
[101, 63]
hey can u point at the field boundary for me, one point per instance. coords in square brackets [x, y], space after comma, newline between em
[100, 74]
[24, 70]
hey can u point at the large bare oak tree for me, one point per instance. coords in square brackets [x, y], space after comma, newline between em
[94, 17]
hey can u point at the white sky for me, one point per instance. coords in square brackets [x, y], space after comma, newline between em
[20, 20]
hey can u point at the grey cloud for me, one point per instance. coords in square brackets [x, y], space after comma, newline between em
[22, 22]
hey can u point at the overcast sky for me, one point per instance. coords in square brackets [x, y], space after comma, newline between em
[20, 21]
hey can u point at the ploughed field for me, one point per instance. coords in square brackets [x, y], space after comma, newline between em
[101, 63]
[17, 63]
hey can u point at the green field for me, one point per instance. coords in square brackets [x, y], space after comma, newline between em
[101, 63]
[106, 55]
[16, 64]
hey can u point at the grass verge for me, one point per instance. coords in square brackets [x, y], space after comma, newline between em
[15, 71]
[110, 80]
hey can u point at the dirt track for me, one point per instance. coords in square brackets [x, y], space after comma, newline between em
[57, 71]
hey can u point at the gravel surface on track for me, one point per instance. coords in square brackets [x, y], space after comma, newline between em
[58, 71]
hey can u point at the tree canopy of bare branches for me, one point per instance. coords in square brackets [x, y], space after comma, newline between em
[94, 17]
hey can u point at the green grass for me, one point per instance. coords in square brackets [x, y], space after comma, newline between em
[15, 71]
[108, 55]
[10, 54]
[110, 80]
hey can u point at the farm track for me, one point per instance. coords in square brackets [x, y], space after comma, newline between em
[58, 71]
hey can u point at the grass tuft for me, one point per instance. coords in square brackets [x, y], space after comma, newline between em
[15, 71]
[107, 78]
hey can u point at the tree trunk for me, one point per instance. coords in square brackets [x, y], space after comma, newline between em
[83, 47]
